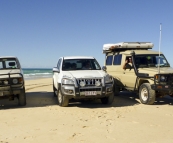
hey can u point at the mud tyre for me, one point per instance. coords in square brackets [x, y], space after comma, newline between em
[54, 91]
[108, 100]
[146, 94]
[22, 98]
[62, 99]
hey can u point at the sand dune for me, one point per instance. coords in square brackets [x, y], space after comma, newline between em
[42, 120]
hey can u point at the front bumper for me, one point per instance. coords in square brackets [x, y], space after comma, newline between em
[87, 92]
[163, 85]
[10, 92]
[9, 88]
[162, 88]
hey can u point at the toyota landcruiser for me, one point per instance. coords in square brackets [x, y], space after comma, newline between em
[81, 78]
[135, 67]
[11, 80]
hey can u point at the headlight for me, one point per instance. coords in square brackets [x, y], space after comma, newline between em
[67, 81]
[5, 82]
[108, 79]
[82, 83]
[162, 78]
[15, 81]
[97, 83]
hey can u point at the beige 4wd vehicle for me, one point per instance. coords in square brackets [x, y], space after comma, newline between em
[11, 80]
[149, 73]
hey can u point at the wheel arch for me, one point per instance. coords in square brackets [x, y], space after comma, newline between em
[141, 81]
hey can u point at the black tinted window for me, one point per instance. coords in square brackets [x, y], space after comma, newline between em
[117, 60]
[80, 64]
[109, 60]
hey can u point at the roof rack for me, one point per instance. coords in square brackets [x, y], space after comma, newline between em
[107, 48]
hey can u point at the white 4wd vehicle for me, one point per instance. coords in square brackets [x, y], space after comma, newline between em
[81, 77]
[11, 80]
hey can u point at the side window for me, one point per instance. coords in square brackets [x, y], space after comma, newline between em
[117, 59]
[1, 65]
[59, 63]
[109, 60]
[10, 64]
[96, 65]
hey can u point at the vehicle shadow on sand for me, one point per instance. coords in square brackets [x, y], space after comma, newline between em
[122, 100]
[33, 99]
[133, 97]
[167, 100]
[42, 99]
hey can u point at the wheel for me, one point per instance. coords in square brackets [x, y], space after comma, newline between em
[62, 99]
[54, 91]
[146, 94]
[108, 100]
[22, 98]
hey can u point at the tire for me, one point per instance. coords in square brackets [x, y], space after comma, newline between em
[22, 98]
[54, 91]
[108, 100]
[146, 94]
[62, 99]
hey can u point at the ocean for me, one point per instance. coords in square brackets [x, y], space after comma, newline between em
[35, 73]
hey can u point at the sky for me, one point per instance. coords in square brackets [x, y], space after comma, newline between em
[39, 32]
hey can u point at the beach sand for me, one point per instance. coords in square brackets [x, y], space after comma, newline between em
[43, 121]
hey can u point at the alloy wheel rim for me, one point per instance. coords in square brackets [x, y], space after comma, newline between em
[144, 94]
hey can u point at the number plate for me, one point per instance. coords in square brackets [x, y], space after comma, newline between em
[88, 93]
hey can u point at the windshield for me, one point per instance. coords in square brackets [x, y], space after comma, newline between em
[80, 64]
[8, 63]
[145, 61]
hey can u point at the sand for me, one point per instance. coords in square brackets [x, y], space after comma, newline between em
[43, 121]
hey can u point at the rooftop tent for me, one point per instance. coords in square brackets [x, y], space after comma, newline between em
[127, 46]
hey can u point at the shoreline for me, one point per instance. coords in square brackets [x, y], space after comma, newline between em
[37, 78]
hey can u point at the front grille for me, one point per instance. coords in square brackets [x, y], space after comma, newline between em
[3, 81]
[89, 81]
[6, 80]
[170, 79]
[90, 89]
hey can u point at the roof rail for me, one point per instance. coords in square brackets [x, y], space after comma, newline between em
[107, 48]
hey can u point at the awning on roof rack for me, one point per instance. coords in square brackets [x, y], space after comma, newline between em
[127, 45]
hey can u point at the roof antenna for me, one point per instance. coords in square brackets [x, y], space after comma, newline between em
[159, 47]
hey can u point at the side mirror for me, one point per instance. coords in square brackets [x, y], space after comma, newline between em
[55, 69]
[104, 68]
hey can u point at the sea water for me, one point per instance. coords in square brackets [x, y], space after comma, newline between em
[35, 73]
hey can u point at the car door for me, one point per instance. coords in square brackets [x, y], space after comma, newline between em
[113, 65]
[128, 77]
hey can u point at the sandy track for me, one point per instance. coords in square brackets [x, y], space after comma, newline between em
[42, 120]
